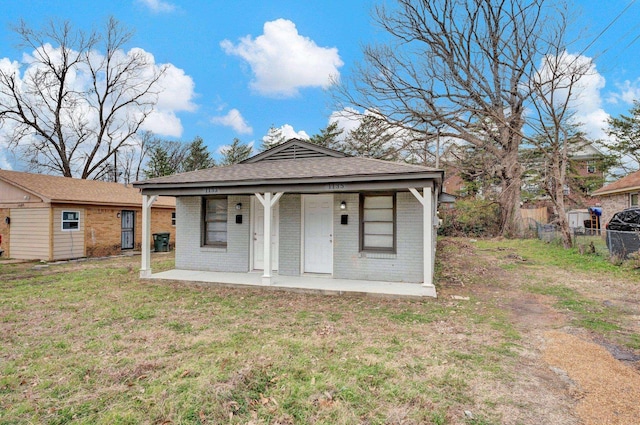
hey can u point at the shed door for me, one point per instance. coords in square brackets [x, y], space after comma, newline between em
[318, 234]
[128, 228]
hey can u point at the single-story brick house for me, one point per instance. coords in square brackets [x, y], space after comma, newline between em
[619, 195]
[50, 218]
[303, 209]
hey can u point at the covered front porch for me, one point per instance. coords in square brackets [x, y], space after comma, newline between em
[304, 284]
[303, 210]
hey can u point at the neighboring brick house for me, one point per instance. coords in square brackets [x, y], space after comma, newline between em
[301, 209]
[50, 218]
[619, 195]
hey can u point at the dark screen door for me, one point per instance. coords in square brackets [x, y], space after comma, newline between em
[128, 222]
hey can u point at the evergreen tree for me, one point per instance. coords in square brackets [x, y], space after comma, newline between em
[198, 157]
[626, 131]
[166, 157]
[236, 152]
[273, 138]
[328, 137]
[159, 163]
[371, 139]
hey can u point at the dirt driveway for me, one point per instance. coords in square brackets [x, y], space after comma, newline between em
[586, 373]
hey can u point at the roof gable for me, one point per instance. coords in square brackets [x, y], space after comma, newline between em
[294, 149]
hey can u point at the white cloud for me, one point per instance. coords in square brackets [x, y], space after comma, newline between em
[164, 123]
[587, 99]
[588, 102]
[176, 94]
[284, 61]
[289, 133]
[348, 120]
[158, 6]
[177, 90]
[234, 120]
[628, 92]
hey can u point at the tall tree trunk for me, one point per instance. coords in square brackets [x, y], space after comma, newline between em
[510, 216]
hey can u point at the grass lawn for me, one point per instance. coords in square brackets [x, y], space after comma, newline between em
[89, 343]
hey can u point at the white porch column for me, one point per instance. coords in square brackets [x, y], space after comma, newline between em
[145, 268]
[267, 201]
[428, 246]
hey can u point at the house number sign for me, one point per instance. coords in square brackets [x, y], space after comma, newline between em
[210, 190]
[336, 186]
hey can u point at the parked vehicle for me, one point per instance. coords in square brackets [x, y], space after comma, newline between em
[623, 232]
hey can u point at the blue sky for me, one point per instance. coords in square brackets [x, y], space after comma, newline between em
[237, 68]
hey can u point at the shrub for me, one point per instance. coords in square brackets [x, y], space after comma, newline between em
[471, 217]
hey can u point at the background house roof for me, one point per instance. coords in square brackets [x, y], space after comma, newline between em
[77, 191]
[625, 184]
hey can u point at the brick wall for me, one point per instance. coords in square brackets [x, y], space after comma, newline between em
[611, 204]
[4, 231]
[349, 263]
[103, 228]
[406, 265]
[191, 256]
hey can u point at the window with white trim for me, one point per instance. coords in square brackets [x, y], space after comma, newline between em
[70, 221]
[214, 223]
[378, 223]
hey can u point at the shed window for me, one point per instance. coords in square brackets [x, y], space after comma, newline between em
[70, 221]
[214, 222]
[378, 223]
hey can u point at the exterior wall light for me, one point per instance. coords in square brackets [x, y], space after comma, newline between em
[239, 206]
[343, 205]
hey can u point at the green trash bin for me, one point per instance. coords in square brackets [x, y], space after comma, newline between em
[161, 242]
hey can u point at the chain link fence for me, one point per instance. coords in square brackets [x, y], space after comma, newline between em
[622, 244]
[610, 243]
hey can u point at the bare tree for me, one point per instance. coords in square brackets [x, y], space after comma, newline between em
[81, 99]
[555, 85]
[462, 66]
[132, 157]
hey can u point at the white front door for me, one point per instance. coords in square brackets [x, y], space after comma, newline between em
[258, 235]
[318, 234]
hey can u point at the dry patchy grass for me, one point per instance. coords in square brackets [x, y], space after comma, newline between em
[91, 343]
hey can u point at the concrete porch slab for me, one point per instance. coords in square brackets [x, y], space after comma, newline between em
[306, 284]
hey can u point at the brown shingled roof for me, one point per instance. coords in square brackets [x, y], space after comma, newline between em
[311, 168]
[625, 184]
[77, 191]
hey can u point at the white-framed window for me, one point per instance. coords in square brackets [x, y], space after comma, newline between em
[214, 222]
[633, 199]
[173, 219]
[591, 167]
[70, 221]
[378, 222]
